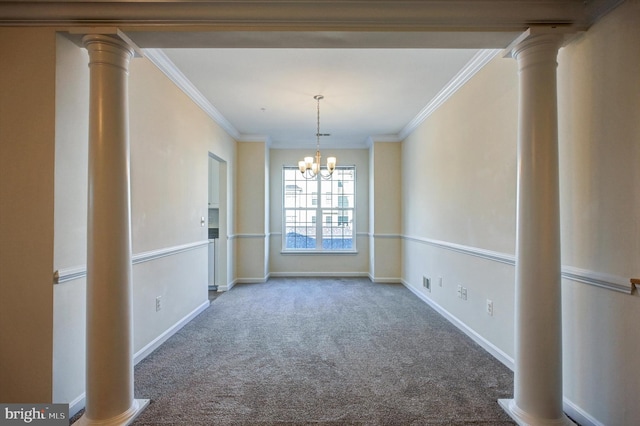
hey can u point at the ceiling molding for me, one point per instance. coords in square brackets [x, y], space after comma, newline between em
[165, 65]
[309, 15]
[266, 139]
[158, 57]
[473, 66]
[383, 138]
[596, 9]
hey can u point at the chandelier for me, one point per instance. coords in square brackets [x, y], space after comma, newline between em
[310, 166]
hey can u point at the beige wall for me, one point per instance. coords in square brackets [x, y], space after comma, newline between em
[252, 215]
[459, 188]
[27, 107]
[599, 131]
[170, 141]
[459, 175]
[385, 219]
[70, 242]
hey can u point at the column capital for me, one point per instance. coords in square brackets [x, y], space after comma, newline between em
[547, 37]
[84, 35]
[108, 50]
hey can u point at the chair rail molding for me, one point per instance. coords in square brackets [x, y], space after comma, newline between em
[598, 279]
[69, 274]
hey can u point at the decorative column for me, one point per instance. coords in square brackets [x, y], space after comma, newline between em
[109, 382]
[538, 311]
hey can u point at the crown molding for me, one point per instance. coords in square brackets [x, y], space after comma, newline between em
[423, 15]
[266, 139]
[167, 66]
[162, 61]
[476, 63]
[383, 138]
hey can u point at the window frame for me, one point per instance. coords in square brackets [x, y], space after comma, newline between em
[324, 205]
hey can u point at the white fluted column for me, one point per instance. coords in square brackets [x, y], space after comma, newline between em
[538, 329]
[109, 382]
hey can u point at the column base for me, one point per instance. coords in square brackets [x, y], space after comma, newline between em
[123, 419]
[524, 419]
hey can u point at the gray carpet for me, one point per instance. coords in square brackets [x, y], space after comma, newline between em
[328, 351]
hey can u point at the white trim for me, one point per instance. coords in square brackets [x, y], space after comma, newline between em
[251, 236]
[605, 281]
[471, 251]
[164, 64]
[255, 280]
[385, 280]
[488, 346]
[227, 287]
[79, 402]
[578, 414]
[383, 138]
[317, 252]
[158, 341]
[523, 418]
[266, 139]
[319, 274]
[474, 65]
[357, 234]
[168, 251]
[386, 236]
[69, 274]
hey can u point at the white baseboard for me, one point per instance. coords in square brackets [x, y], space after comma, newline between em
[155, 343]
[578, 414]
[320, 274]
[228, 286]
[388, 280]
[78, 403]
[486, 345]
[252, 280]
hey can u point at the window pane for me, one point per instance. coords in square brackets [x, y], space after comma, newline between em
[330, 202]
[298, 192]
[300, 229]
[337, 229]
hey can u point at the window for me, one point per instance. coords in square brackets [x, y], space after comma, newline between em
[334, 228]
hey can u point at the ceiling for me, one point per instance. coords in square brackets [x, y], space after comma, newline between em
[267, 94]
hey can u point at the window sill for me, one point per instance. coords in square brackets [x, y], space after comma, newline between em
[319, 252]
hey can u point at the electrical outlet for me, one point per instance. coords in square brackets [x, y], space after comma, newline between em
[158, 303]
[202, 221]
[426, 283]
[464, 293]
[459, 292]
[490, 307]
